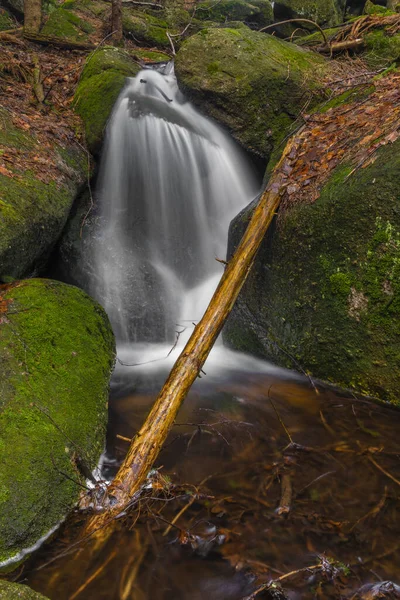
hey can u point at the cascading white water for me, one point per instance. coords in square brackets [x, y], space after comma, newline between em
[170, 183]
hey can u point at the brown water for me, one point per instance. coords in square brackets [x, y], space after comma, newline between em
[214, 524]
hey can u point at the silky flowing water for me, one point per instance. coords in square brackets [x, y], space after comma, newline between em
[265, 472]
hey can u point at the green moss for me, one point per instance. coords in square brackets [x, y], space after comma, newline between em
[108, 58]
[326, 286]
[65, 24]
[145, 28]
[253, 83]
[12, 591]
[57, 353]
[258, 12]
[33, 213]
[381, 48]
[101, 82]
[6, 22]
[152, 55]
[340, 283]
[352, 95]
[375, 9]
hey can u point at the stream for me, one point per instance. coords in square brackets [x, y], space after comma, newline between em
[212, 518]
[266, 475]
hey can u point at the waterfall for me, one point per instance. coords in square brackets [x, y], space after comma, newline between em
[170, 182]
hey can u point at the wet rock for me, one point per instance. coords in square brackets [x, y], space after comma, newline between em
[324, 294]
[56, 356]
[33, 211]
[100, 84]
[253, 83]
[376, 591]
[13, 591]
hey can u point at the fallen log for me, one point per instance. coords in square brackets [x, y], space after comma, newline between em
[147, 444]
[38, 38]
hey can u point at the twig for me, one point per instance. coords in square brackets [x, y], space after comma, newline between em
[272, 584]
[171, 43]
[383, 470]
[279, 418]
[298, 21]
[286, 495]
[180, 513]
[94, 575]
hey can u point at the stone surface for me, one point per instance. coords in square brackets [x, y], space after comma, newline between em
[324, 294]
[13, 591]
[100, 84]
[257, 13]
[33, 212]
[327, 13]
[56, 355]
[253, 83]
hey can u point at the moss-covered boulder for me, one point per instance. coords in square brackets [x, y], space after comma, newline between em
[67, 25]
[56, 356]
[145, 28]
[100, 84]
[324, 12]
[34, 205]
[253, 83]
[13, 591]
[325, 290]
[258, 13]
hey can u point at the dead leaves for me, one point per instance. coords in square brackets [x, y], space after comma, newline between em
[349, 133]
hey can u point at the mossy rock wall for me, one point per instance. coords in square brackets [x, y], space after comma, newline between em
[33, 211]
[324, 294]
[258, 13]
[253, 83]
[13, 591]
[101, 82]
[327, 13]
[56, 355]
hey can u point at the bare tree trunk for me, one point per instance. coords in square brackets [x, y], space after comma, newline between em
[32, 16]
[116, 21]
[145, 447]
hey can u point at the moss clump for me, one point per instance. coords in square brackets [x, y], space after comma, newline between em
[152, 55]
[145, 28]
[253, 83]
[375, 9]
[259, 12]
[6, 22]
[381, 48]
[57, 353]
[101, 82]
[67, 25]
[33, 213]
[325, 289]
[12, 591]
